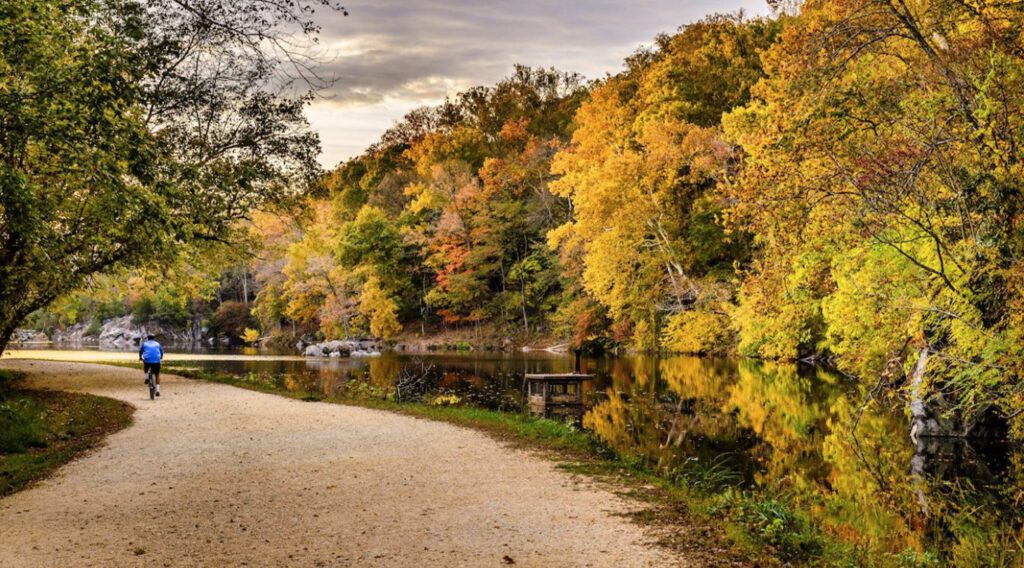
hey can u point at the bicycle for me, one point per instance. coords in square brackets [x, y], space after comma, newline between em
[151, 383]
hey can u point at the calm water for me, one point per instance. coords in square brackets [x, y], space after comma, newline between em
[731, 428]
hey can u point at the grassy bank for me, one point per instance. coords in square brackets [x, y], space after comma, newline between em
[42, 430]
[696, 512]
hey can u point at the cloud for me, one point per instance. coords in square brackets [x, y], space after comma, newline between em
[389, 56]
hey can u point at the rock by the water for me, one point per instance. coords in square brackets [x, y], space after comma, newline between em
[26, 336]
[364, 353]
[341, 348]
[123, 333]
[314, 351]
[334, 348]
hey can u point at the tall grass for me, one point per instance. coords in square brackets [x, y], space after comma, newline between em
[22, 425]
[22, 419]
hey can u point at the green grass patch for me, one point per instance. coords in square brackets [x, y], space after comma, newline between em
[770, 522]
[42, 430]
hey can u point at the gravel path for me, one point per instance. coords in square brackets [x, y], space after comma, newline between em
[214, 475]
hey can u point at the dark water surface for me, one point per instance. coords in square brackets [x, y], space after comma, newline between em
[772, 441]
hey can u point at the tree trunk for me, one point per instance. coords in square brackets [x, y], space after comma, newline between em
[13, 311]
[526, 322]
[5, 338]
[245, 286]
[423, 305]
[920, 423]
[8, 323]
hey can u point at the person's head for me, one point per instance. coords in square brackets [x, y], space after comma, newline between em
[151, 337]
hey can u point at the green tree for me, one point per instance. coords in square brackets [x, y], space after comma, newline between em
[132, 127]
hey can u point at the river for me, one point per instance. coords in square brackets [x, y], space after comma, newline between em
[770, 443]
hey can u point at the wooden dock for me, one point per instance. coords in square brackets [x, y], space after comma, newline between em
[557, 396]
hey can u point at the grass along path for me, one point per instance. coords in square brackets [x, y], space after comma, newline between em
[42, 430]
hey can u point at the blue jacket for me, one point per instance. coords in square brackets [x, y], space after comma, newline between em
[151, 352]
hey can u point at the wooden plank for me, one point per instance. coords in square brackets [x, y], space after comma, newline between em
[551, 376]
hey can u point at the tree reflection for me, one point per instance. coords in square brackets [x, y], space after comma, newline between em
[787, 430]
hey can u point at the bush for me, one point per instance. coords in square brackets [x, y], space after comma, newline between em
[22, 425]
[143, 310]
[232, 319]
[771, 521]
[250, 335]
[95, 327]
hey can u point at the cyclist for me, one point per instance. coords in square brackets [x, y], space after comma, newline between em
[151, 353]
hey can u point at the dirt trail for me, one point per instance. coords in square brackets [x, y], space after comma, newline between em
[214, 475]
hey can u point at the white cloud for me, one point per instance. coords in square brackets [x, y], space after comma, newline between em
[390, 56]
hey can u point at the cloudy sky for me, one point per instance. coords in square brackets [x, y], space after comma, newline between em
[390, 56]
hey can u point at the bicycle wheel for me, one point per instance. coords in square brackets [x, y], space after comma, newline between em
[152, 386]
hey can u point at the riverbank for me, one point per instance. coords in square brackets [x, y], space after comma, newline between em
[43, 430]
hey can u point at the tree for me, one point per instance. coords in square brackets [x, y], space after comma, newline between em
[232, 319]
[883, 181]
[132, 127]
[379, 309]
[641, 172]
[314, 283]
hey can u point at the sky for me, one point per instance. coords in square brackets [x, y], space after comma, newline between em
[391, 56]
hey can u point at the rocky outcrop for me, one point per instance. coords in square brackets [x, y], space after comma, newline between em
[347, 348]
[28, 337]
[120, 333]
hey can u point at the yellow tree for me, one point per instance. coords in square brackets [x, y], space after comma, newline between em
[379, 309]
[644, 159]
[883, 180]
[313, 279]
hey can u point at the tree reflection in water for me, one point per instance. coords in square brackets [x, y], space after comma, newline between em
[785, 429]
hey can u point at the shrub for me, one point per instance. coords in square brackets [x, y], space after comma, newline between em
[232, 319]
[698, 331]
[143, 310]
[21, 425]
[95, 326]
[772, 521]
[250, 335]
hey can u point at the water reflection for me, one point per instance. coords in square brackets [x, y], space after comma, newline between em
[778, 429]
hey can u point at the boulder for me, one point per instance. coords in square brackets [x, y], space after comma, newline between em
[24, 336]
[364, 353]
[314, 350]
[335, 348]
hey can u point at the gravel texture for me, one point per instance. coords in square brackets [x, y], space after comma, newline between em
[213, 475]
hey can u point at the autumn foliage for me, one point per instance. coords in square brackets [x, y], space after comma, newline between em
[840, 181]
